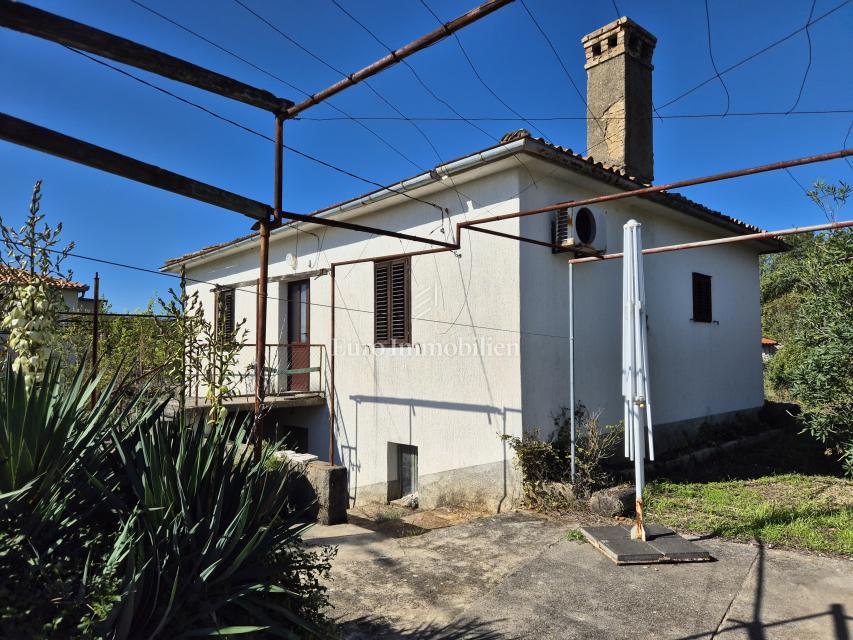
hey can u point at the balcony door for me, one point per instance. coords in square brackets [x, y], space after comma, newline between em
[298, 335]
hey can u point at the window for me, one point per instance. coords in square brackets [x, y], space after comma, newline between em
[392, 303]
[702, 298]
[225, 312]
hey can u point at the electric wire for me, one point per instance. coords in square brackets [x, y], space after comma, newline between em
[249, 129]
[312, 304]
[809, 64]
[562, 66]
[679, 116]
[340, 72]
[274, 76]
[479, 77]
[616, 9]
[713, 63]
[755, 54]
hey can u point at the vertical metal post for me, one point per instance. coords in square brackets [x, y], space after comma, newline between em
[95, 312]
[261, 310]
[279, 152]
[572, 362]
[332, 372]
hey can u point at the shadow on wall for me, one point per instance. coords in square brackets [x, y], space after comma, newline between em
[464, 629]
[493, 414]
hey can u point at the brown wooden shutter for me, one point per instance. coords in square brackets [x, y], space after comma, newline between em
[702, 310]
[392, 319]
[225, 312]
[381, 289]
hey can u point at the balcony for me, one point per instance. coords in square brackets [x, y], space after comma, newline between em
[294, 376]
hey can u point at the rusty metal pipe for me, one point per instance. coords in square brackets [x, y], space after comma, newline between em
[400, 54]
[785, 164]
[501, 234]
[279, 161]
[708, 243]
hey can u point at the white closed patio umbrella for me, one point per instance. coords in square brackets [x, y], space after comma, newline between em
[635, 366]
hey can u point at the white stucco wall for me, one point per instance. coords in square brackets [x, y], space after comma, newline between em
[697, 369]
[490, 326]
[457, 389]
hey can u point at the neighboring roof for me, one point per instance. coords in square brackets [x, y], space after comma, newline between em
[768, 342]
[615, 176]
[11, 275]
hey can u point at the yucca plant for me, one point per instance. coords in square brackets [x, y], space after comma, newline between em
[53, 527]
[52, 435]
[210, 544]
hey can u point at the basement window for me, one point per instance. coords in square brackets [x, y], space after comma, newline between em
[702, 309]
[225, 313]
[392, 320]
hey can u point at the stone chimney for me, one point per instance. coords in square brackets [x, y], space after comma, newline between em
[619, 94]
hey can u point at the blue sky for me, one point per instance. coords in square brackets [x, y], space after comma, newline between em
[115, 219]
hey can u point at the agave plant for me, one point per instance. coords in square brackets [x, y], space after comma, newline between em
[51, 437]
[210, 544]
[53, 528]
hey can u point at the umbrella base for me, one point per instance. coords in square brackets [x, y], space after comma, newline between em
[662, 545]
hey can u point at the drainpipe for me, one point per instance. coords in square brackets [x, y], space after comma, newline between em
[572, 362]
[332, 371]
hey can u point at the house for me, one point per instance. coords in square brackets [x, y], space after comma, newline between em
[438, 355]
[769, 347]
[72, 292]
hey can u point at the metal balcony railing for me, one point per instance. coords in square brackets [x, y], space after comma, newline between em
[289, 369]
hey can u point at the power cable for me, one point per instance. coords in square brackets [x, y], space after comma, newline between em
[713, 63]
[754, 55]
[274, 77]
[616, 9]
[680, 116]
[340, 72]
[809, 65]
[562, 66]
[313, 304]
[479, 77]
[249, 129]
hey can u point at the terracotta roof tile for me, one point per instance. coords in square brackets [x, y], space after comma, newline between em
[11, 275]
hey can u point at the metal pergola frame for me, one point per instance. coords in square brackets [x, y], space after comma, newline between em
[33, 21]
[43, 24]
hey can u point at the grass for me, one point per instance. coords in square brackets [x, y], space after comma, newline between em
[575, 535]
[813, 513]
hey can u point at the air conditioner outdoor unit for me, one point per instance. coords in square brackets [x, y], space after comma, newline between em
[583, 230]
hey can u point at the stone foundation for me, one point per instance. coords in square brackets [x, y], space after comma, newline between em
[493, 487]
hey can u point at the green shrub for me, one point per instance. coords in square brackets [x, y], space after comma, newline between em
[210, 540]
[806, 304]
[115, 523]
[543, 462]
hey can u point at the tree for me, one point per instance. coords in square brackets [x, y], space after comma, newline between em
[807, 297]
[34, 300]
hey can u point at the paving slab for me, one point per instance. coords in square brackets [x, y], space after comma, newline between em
[661, 545]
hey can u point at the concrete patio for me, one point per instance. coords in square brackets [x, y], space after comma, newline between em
[519, 576]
